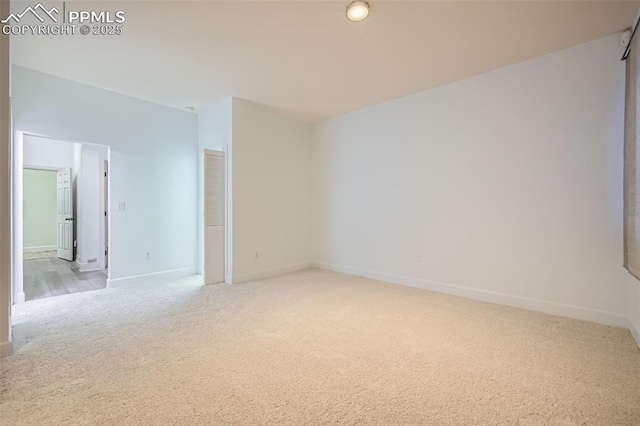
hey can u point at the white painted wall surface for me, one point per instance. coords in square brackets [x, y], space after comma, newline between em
[6, 235]
[49, 153]
[634, 283]
[508, 185]
[271, 192]
[40, 210]
[214, 125]
[634, 309]
[154, 167]
[77, 197]
[91, 182]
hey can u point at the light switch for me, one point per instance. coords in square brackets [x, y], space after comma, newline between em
[121, 206]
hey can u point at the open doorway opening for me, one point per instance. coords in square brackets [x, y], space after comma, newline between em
[61, 199]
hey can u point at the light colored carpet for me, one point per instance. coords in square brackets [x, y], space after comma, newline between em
[310, 347]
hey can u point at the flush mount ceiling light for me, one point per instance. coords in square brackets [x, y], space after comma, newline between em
[357, 10]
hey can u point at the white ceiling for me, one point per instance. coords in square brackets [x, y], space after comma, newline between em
[303, 57]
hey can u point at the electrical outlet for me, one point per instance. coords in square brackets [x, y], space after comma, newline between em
[122, 206]
[92, 260]
[419, 258]
[148, 256]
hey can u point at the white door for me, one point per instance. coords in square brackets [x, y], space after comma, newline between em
[65, 215]
[213, 217]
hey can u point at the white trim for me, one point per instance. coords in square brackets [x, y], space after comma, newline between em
[155, 276]
[17, 248]
[635, 331]
[209, 243]
[36, 249]
[267, 273]
[89, 267]
[5, 349]
[17, 215]
[228, 211]
[547, 307]
[19, 298]
[228, 207]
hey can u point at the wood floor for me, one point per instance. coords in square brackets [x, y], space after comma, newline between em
[54, 277]
[40, 255]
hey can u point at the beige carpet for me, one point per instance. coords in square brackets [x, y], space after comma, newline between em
[307, 348]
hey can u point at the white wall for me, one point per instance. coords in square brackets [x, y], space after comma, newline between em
[40, 210]
[6, 236]
[508, 185]
[91, 207]
[48, 153]
[634, 309]
[214, 125]
[76, 192]
[271, 192]
[634, 284]
[154, 166]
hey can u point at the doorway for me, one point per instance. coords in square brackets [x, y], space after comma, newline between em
[61, 238]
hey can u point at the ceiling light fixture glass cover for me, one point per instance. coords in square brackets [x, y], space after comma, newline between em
[357, 10]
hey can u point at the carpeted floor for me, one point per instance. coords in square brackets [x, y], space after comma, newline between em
[307, 348]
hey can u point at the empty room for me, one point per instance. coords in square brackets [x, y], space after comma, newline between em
[319, 212]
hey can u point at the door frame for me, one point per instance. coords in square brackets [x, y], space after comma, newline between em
[228, 210]
[17, 197]
[62, 237]
[104, 204]
[215, 153]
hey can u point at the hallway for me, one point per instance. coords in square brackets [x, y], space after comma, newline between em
[54, 277]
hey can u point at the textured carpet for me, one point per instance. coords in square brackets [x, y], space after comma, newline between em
[306, 348]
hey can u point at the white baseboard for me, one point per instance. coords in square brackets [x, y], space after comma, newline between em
[547, 307]
[268, 273]
[19, 298]
[5, 349]
[635, 331]
[36, 249]
[155, 276]
[89, 267]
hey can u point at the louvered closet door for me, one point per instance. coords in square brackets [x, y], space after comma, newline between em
[213, 216]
